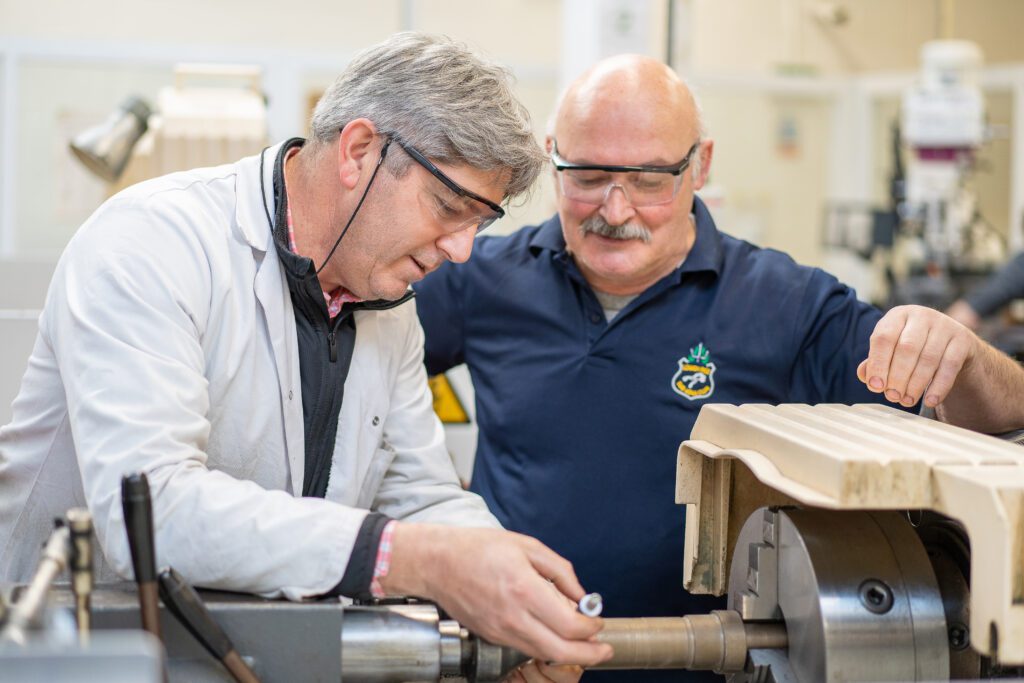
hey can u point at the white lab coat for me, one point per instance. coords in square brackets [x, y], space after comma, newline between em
[167, 345]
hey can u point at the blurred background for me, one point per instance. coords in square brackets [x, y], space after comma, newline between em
[823, 115]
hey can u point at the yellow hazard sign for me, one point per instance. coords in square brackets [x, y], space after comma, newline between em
[447, 404]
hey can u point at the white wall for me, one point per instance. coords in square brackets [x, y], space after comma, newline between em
[770, 75]
[22, 290]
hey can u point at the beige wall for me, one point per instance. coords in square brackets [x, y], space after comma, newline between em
[769, 180]
[771, 168]
[765, 36]
[787, 192]
[295, 24]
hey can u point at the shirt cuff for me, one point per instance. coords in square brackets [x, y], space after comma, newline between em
[362, 569]
[383, 564]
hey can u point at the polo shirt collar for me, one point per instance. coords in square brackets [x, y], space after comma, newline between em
[705, 254]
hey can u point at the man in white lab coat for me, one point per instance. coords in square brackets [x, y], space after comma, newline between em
[244, 336]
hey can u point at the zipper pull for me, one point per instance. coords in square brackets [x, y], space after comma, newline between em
[332, 344]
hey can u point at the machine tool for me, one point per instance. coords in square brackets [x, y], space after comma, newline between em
[891, 547]
[80, 528]
[854, 543]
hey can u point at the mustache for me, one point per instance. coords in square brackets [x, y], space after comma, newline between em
[627, 231]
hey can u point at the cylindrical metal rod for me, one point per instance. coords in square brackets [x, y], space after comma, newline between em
[766, 635]
[382, 645]
[718, 642]
[28, 608]
[138, 522]
[80, 525]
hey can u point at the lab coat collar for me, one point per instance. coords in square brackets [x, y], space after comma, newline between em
[255, 209]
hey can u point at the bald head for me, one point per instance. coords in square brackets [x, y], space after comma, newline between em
[625, 112]
[633, 93]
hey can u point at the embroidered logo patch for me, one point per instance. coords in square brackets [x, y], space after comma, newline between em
[695, 379]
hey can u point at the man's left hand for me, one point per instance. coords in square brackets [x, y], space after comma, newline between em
[539, 672]
[915, 350]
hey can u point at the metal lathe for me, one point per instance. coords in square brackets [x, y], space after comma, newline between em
[854, 543]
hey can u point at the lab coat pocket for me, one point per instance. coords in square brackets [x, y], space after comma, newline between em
[379, 465]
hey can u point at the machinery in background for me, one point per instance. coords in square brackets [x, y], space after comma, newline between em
[942, 243]
[211, 115]
[930, 243]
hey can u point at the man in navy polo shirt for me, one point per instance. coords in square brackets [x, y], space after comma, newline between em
[594, 339]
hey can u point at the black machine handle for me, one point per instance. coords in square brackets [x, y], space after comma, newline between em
[185, 604]
[138, 521]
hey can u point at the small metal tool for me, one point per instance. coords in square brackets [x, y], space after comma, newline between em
[184, 603]
[591, 604]
[80, 524]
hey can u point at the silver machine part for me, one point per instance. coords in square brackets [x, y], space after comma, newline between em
[81, 565]
[815, 596]
[25, 613]
[108, 657]
[856, 590]
[399, 643]
[319, 641]
[591, 605]
[278, 640]
[106, 148]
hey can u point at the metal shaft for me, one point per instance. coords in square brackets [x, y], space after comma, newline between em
[80, 525]
[392, 644]
[766, 635]
[718, 642]
[28, 608]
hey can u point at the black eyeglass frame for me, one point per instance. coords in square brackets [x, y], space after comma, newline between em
[448, 182]
[561, 164]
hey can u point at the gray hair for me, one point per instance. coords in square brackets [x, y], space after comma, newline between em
[440, 97]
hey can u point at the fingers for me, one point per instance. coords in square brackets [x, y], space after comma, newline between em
[882, 347]
[556, 568]
[905, 356]
[562, 617]
[955, 356]
[538, 672]
[558, 613]
[928, 363]
[546, 645]
[862, 371]
[916, 352]
[558, 673]
[504, 595]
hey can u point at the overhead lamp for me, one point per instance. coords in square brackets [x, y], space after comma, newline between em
[106, 148]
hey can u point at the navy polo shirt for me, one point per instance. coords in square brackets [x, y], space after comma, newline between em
[580, 419]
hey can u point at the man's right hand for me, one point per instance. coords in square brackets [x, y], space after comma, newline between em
[505, 587]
